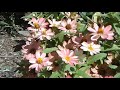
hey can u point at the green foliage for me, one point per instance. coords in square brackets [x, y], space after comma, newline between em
[117, 75]
[48, 50]
[96, 57]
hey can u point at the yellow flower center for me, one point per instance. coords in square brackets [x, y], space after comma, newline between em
[39, 60]
[68, 26]
[44, 32]
[36, 25]
[90, 48]
[100, 31]
[67, 58]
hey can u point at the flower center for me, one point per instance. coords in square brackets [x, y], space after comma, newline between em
[68, 26]
[100, 31]
[90, 48]
[44, 32]
[39, 60]
[36, 25]
[67, 58]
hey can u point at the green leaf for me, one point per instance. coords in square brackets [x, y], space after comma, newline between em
[82, 73]
[113, 66]
[48, 50]
[95, 58]
[55, 75]
[117, 75]
[85, 68]
[117, 28]
[114, 48]
[81, 27]
[70, 68]
[60, 36]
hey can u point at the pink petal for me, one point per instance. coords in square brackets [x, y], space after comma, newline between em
[91, 29]
[95, 37]
[33, 66]
[34, 20]
[104, 36]
[32, 60]
[85, 44]
[108, 28]
[43, 55]
[110, 37]
[71, 54]
[96, 26]
[37, 54]
[41, 20]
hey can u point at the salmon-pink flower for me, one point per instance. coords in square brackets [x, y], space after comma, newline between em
[68, 26]
[54, 23]
[91, 47]
[67, 56]
[39, 62]
[44, 34]
[103, 32]
[37, 24]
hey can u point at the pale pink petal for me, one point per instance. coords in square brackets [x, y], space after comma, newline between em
[85, 44]
[34, 20]
[37, 54]
[107, 28]
[104, 36]
[96, 26]
[33, 66]
[68, 21]
[84, 48]
[41, 20]
[43, 55]
[32, 60]
[95, 37]
[50, 21]
[71, 54]
[48, 37]
[110, 37]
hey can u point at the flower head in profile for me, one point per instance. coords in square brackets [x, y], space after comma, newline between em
[67, 56]
[54, 23]
[103, 32]
[44, 34]
[68, 26]
[37, 24]
[91, 47]
[39, 61]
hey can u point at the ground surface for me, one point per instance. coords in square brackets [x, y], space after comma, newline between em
[8, 57]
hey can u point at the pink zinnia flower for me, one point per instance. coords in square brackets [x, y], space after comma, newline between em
[67, 56]
[37, 24]
[54, 23]
[91, 47]
[45, 34]
[103, 32]
[39, 62]
[68, 26]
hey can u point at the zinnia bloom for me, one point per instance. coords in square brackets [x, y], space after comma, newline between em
[44, 33]
[68, 26]
[91, 47]
[54, 23]
[67, 56]
[37, 24]
[39, 62]
[103, 32]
